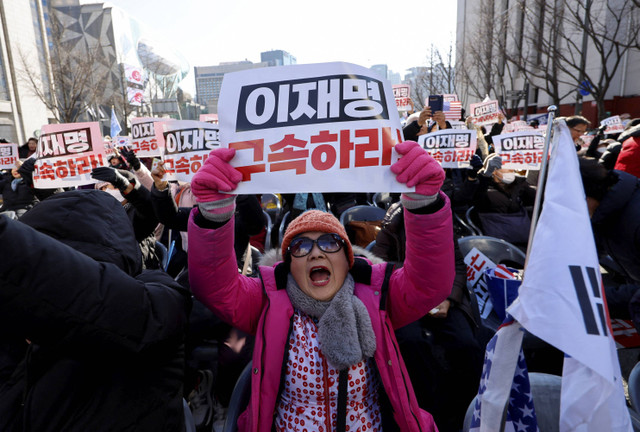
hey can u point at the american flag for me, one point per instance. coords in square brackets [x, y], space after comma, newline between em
[454, 112]
[521, 415]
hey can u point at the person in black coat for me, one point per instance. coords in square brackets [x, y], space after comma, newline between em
[613, 200]
[445, 369]
[17, 195]
[249, 219]
[136, 199]
[102, 340]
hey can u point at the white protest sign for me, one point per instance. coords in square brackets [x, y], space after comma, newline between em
[209, 118]
[185, 146]
[402, 95]
[143, 137]
[485, 113]
[452, 148]
[66, 155]
[8, 155]
[311, 128]
[457, 124]
[614, 125]
[520, 150]
[477, 263]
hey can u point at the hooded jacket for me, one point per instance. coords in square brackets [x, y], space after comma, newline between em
[262, 307]
[106, 349]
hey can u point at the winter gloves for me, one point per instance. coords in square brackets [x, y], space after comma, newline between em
[120, 179]
[417, 168]
[475, 165]
[491, 163]
[216, 175]
[131, 158]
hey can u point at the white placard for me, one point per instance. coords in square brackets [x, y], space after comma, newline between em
[311, 128]
[143, 137]
[520, 150]
[185, 145]
[8, 155]
[452, 148]
[66, 155]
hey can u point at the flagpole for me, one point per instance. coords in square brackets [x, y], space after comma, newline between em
[542, 178]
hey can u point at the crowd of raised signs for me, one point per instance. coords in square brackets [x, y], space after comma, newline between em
[491, 186]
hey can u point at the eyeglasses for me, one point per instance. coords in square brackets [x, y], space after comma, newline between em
[302, 246]
[580, 131]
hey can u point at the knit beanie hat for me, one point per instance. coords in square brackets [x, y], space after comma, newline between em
[319, 221]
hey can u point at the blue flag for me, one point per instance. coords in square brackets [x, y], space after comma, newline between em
[115, 126]
[503, 383]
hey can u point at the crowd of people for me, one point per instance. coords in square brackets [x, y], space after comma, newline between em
[109, 292]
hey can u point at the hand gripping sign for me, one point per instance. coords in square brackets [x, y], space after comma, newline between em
[452, 148]
[520, 150]
[185, 145]
[8, 155]
[143, 137]
[311, 128]
[66, 155]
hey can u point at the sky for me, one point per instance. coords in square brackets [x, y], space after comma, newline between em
[369, 32]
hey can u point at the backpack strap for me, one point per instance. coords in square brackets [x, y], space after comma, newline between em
[384, 289]
[343, 382]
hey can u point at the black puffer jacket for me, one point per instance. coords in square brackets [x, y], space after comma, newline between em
[107, 349]
[390, 246]
[20, 198]
[616, 225]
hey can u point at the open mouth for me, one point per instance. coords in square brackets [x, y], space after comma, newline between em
[319, 275]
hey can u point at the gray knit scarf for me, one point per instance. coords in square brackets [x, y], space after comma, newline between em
[345, 333]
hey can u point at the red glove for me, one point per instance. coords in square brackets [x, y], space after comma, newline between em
[417, 168]
[216, 175]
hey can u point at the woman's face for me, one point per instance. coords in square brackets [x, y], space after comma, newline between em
[319, 274]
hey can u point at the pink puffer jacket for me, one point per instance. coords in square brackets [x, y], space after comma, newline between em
[258, 306]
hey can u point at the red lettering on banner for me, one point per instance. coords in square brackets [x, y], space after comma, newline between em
[65, 168]
[362, 148]
[346, 145]
[258, 156]
[323, 156]
[284, 157]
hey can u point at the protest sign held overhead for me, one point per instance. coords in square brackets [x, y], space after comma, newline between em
[402, 95]
[452, 148]
[614, 125]
[185, 146]
[485, 113]
[66, 155]
[143, 137]
[299, 128]
[8, 155]
[520, 150]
